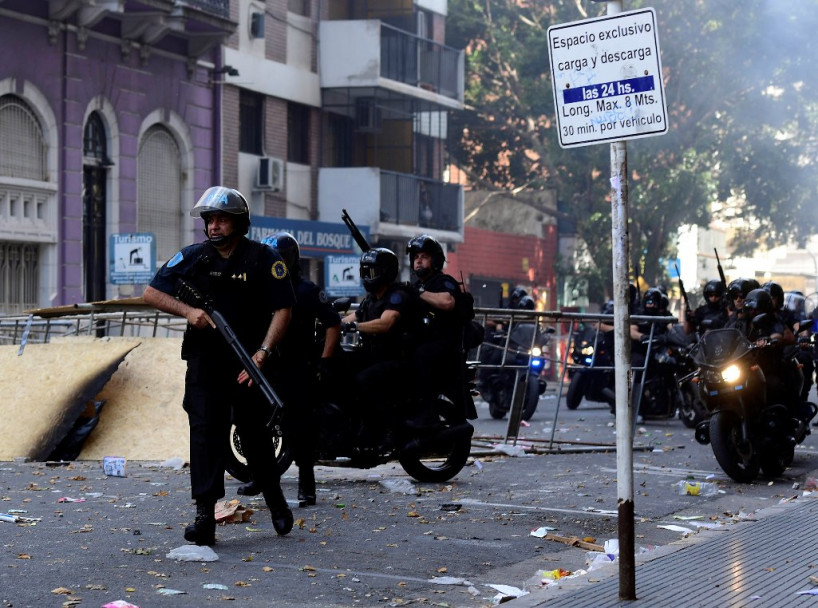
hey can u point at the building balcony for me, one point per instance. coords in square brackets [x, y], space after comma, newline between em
[393, 205]
[370, 56]
[189, 26]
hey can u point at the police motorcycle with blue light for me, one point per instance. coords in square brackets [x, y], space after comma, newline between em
[752, 391]
[512, 362]
[592, 348]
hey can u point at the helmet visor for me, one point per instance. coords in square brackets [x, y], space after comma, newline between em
[219, 198]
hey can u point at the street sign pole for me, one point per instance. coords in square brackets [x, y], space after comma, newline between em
[620, 249]
[607, 83]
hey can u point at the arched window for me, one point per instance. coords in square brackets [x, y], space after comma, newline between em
[22, 147]
[23, 209]
[94, 145]
[159, 189]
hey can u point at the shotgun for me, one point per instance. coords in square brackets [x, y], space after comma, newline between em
[191, 296]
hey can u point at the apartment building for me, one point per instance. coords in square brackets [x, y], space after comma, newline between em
[342, 105]
[116, 114]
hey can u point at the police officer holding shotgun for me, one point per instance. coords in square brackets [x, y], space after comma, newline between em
[249, 286]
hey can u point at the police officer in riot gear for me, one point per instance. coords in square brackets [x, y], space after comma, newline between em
[437, 356]
[385, 321]
[793, 319]
[249, 285]
[654, 304]
[710, 315]
[299, 363]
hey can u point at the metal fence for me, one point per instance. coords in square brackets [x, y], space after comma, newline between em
[554, 332]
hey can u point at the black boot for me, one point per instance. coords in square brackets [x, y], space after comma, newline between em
[279, 510]
[249, 489]
[203, 530]
[306, 486]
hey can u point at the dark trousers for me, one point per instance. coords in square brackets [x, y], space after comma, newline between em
[213, 399]
[297, 387]
[436, 367]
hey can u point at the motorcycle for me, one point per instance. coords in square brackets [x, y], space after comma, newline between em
[511, 366]
[747, 429]
[595, 382]
[667, 387]
[432, 449]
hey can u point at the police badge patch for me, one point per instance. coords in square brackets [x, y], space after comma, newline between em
[279, 270]
[175, 259]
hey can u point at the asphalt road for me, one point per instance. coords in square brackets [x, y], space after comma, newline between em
[366, 543]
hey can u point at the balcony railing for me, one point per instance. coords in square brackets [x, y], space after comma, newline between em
[415, 201]
[420, 62]
[219, 8]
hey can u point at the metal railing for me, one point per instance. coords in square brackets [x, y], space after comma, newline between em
[561, 329]
[417, 201]
[33, 329]
[421, 62]
[220, 8]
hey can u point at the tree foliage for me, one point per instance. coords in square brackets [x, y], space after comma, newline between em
[740, 92]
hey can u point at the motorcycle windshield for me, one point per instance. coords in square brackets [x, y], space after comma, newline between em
[719, 346]
[522, 335]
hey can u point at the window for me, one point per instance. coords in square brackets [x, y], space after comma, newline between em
[298, 133]
[22, 147]
[251, 123]
[159, 190]
[93, 139]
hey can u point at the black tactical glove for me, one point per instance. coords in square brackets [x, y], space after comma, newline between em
[349, 327]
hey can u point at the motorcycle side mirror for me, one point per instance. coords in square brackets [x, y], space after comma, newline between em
[550, 330]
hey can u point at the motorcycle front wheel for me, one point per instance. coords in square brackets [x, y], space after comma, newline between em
[576, 390]
[236, 463]
[741, 463]
[532, 397]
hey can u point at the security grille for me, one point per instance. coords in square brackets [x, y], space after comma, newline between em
[160, 191]
[22, 148]
[19, 272]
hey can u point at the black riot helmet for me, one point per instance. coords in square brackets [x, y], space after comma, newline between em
[516, 296]
[776, 291]
[741, 287]
[757, 302]
[426, 244]
[224, 200]
[379, 267]
[713, 287]
[655, 302]
[287, 247]
[526, 303]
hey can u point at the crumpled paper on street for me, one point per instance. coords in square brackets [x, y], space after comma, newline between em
[232, 512]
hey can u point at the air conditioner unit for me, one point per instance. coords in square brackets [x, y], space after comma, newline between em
[367, 115]
[270, 174]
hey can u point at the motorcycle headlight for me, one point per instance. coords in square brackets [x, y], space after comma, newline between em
[731, 373]
[536, 352]
[587, 350]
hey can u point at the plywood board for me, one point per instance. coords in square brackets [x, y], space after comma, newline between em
[47, 387]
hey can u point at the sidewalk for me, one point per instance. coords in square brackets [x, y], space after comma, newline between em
[760, 562]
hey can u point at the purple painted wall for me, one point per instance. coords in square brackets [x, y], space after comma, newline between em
[70, 77]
